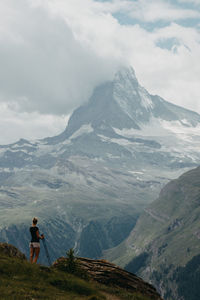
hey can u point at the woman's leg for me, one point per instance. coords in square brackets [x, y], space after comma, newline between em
[32, 252]
[37, 252]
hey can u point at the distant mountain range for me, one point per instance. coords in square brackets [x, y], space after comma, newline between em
[89, 184]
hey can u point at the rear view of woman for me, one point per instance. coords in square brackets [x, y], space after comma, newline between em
[35, 241]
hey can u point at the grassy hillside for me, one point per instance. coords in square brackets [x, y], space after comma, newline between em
[21, 280]
[166, 239]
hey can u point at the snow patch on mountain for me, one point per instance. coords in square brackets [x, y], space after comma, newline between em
[17, 146]
[84, 129]
[44, 148]
[146, 101]
[121, 142]
[180, 140]
[129, 94]
[123, 104]
[126, 75]
[158, 127]
[20, 150]
[185, 133]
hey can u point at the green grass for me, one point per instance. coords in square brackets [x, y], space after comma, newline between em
[21, 280]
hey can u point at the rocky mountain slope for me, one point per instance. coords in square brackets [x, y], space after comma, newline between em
[164, 246]
[89, 184]
[22, 280]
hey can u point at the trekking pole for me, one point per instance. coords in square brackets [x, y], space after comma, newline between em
[47, 252]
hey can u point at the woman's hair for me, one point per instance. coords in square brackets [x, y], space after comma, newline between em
[35, 220]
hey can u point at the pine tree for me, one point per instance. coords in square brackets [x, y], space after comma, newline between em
[71, 261]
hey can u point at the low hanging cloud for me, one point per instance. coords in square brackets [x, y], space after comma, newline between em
[54, 52]
[43, 66]
[28, 125]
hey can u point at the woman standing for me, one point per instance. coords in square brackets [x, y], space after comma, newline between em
[35, 241]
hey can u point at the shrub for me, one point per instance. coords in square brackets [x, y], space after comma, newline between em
[72, 265]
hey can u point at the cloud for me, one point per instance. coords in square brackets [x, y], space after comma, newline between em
[176, 71]
[26, 125]
[150, 10]
[158, 10]
[196, 2]
[54, 52]
[43, 66]
[173, 73]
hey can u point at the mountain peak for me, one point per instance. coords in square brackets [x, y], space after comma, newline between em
[125, 74]
[122, 104]
[132, 98]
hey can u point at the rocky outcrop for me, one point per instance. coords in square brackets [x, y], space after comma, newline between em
[11, 251]
[107, 273]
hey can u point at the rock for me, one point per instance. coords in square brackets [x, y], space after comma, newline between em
[107, 273]
[11, 251]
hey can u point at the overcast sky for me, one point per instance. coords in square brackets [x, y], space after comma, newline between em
[54, 52]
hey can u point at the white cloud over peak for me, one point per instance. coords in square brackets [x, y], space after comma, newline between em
[54, 52]
[51, 62]
[16, 125]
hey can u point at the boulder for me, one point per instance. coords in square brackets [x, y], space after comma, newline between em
[107, 273]
[11, 251]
